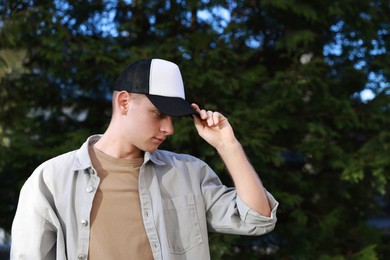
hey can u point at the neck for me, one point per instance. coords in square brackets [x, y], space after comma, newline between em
[115, 146]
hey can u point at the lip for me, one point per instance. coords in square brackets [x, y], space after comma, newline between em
[160, 139]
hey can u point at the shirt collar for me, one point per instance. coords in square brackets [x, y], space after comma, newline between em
[83, 161]
[153, 156]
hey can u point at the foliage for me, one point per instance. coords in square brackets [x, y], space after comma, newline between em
[287, 74]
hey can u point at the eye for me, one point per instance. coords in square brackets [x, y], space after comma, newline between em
[158, 114]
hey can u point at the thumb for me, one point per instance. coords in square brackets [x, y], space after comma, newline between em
[198, 123]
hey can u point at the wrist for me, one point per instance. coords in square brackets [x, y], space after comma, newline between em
[229, 147]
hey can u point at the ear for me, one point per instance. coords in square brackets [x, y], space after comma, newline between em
[122, 102]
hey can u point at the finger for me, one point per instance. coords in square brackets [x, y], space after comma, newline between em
[197, 117]
[210, 118]
[202, 112]
[216, 117]
[199, 125]
[195, 107]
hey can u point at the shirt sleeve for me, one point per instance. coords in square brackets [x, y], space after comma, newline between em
[227, 213]
[34, 230]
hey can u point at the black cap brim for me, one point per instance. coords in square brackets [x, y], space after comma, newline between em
[172, 106]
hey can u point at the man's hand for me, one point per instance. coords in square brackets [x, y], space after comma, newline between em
[214, 128]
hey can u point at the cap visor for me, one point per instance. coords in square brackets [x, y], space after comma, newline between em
[172, 106]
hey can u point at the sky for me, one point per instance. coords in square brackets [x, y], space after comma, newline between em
[105, 21]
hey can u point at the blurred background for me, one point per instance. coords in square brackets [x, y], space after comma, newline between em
[305, 85]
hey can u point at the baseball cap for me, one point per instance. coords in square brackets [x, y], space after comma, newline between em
[160, 81]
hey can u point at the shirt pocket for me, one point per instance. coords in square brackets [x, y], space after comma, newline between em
[182, 224]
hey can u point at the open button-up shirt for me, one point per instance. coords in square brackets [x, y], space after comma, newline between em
[181, 198]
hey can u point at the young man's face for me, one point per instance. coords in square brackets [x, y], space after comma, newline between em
[146, 127]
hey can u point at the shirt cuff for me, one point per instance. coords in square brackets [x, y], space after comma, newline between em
[251, 216]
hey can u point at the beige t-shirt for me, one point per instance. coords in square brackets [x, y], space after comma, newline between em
[117, 230]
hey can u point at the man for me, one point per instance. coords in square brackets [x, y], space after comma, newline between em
[119, 197]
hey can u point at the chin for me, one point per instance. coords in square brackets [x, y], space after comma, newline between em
[151, 149]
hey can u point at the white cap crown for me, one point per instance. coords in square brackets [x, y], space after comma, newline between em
[165, 79]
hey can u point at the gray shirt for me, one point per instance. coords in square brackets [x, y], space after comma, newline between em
[181, 198]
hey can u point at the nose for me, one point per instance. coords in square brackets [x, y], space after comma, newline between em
[167, 125]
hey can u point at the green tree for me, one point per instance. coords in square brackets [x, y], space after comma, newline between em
[287, 73]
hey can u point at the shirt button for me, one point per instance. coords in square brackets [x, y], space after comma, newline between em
[81, 257]
[84, 222]
[89, 189]
[146, 214]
